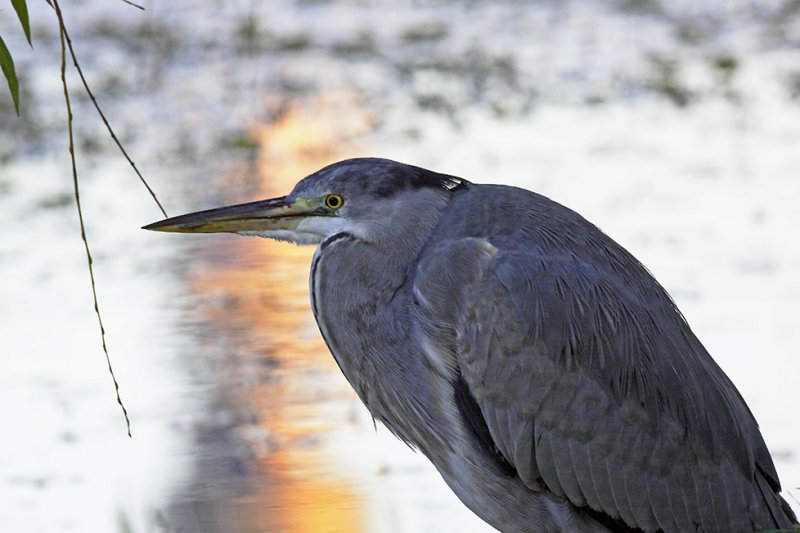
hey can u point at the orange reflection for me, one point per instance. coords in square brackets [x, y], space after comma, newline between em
[259, 308]
[311, 134]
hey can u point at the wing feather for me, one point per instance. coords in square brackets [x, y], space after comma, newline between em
[638, 498]
[592, 386]
[521, 454]
[683, 514]
[663, 510]
[617, 484]
[547, 464]
[566, 474]
[603, 494]
[581, 472]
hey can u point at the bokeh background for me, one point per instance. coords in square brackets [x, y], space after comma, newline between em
[672, 124]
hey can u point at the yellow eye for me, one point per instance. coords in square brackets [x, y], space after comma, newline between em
[334, 201]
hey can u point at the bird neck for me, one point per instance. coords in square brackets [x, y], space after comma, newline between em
[361, 297]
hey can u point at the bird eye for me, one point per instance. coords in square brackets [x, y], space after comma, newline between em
[334, 201]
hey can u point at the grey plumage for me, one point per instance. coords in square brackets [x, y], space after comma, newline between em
[539, 366]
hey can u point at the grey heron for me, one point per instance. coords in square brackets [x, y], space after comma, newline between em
[544, 372]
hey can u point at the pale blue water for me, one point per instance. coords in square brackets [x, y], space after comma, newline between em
[672, 125]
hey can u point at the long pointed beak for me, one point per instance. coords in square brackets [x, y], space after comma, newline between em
[264, 215]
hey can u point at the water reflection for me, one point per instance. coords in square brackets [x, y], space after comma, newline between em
[277, 383]
[575, 100]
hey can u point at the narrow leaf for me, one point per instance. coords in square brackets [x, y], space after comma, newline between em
[7, 64]
[22, 12]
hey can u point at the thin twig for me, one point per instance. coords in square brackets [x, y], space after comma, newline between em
[63, 33]
[133, 4]
[102, 115]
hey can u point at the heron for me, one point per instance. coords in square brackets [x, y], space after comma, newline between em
[540, 367]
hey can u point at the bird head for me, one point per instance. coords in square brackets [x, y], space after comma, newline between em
[363, 197]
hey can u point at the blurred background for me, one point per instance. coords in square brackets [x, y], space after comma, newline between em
[674, 125]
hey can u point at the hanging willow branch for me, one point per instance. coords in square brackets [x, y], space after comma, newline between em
[65, 36]
[7, 67]
[64, 41]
